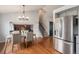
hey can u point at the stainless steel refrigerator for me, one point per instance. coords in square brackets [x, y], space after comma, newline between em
[66, 38]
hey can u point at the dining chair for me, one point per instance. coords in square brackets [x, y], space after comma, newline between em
[8, 43]
[29, 39]
[16, 41]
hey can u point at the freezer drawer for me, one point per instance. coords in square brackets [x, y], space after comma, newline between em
[77, 48]
[77, 39]
[68, 48]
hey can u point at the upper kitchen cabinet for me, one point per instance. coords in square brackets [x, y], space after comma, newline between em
[58, 27]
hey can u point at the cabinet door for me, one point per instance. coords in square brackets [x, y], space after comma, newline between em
[60, 45]
[59, 27]
[56, 44]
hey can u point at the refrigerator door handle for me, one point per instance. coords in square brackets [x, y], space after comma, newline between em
[68, 41]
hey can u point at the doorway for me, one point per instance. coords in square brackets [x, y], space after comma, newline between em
[50, 28]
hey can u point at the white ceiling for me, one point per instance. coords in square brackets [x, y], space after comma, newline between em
[18, 8]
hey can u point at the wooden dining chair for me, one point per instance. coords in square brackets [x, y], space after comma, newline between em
[8, 43]
[16, 41]
[29, 39]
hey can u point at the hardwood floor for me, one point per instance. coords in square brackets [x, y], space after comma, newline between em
[43, 47]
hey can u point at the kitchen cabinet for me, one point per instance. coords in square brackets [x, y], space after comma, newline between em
[58, 44]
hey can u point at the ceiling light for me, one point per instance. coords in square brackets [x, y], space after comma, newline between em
[23, 17]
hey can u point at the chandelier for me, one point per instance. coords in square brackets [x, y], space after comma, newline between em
[23, 17]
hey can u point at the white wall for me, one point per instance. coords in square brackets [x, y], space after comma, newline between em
[0, 26]
[46, 20]
[6, 18]
[1, 39]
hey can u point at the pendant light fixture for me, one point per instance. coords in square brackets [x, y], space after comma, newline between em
[23, 17]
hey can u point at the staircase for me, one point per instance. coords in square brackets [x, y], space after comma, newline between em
[42, 29]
